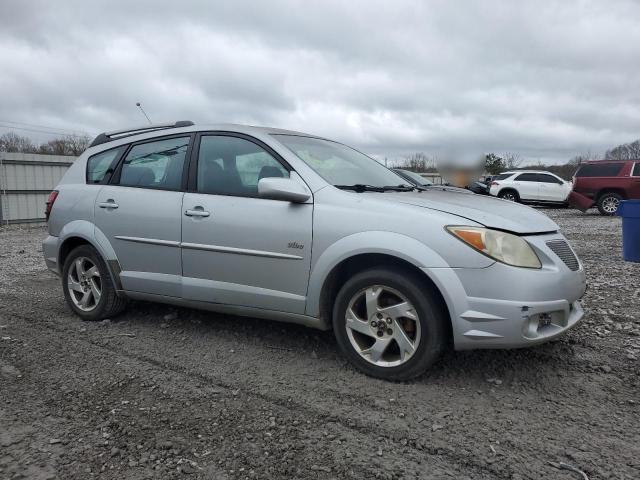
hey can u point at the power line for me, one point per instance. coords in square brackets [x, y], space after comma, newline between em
[12, 127]
[55, 129]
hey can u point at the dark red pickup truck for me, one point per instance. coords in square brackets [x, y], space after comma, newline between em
[604, 183]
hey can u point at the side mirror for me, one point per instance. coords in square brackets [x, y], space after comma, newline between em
[277, 188]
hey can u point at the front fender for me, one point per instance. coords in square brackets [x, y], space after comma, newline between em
[380, 242]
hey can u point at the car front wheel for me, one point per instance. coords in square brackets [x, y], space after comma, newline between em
[389, 324]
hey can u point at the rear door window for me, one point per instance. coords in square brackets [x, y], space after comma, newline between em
[599, 170]
[527, 177]
[157, 164]
[636, 170]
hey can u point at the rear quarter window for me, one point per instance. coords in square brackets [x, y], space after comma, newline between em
[599, 170]
[502, 176]
[101, 166]
[636, 170]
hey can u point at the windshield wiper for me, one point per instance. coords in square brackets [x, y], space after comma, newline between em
[360, 187]
[404, 188]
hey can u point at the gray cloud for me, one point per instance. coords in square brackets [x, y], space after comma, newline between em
[546, 79]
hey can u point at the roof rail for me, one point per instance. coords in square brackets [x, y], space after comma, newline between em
[127, 132]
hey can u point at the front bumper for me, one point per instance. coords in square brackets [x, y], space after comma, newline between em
[50, 247]
[508, 307]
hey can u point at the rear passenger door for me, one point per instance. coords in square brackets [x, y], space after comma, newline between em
[139, 214]
[527, 186]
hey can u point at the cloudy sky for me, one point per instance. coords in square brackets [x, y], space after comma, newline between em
[547, 79]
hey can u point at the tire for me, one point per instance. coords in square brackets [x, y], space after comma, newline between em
[87, 285]
[608, 203]
[428, 333]
[509, 194]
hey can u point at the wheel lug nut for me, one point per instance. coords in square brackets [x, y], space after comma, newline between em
[379, 315]
[389, 331]
[380, 333]
[374, 324]
[389, 321]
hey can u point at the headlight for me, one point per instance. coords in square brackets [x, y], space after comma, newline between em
[501, 246]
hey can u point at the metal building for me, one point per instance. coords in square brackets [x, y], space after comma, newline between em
[26, 179]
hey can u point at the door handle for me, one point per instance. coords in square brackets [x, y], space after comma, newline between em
[108, 204]
[196, 213]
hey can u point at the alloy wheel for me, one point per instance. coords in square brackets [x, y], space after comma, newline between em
[610, 205]
[84, 284]
[509, 196]
[383, 326]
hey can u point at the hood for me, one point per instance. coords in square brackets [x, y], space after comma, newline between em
[488, 211]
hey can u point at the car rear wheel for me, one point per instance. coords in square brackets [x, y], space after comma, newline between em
[389, 324]
[608, 203]
[510, 195]
[87, 285]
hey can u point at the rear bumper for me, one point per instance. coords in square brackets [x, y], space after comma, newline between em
[50, 250]
[508, 307]
[579, 201]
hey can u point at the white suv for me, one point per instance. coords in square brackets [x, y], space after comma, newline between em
[530, 186]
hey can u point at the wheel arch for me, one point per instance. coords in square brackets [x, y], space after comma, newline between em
[508, 189]
[81, 232]
[604, 191]
[328, 276]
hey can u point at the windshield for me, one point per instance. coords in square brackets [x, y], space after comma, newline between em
[339, 164]
[417, 177]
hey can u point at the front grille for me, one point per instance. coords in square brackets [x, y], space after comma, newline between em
[563, 250]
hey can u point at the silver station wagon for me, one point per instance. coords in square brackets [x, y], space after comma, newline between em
[287, 226]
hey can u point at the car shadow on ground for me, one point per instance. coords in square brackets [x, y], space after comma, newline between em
[532, 364]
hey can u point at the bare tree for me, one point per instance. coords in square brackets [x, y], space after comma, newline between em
[11, 142]
[512, 160]
[583, 157]
[626, 151]
[418, 162]
[70, 145]
[77, 144]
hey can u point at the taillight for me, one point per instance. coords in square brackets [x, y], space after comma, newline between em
[52, 198]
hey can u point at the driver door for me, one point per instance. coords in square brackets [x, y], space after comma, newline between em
[237, 248]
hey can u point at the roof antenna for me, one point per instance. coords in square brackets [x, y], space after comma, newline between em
[143, 112]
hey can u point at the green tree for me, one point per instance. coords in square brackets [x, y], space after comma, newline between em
[494, 164]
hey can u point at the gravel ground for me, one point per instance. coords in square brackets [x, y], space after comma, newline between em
[162, 392]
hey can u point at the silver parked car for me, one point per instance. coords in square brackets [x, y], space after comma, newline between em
[287, 226]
